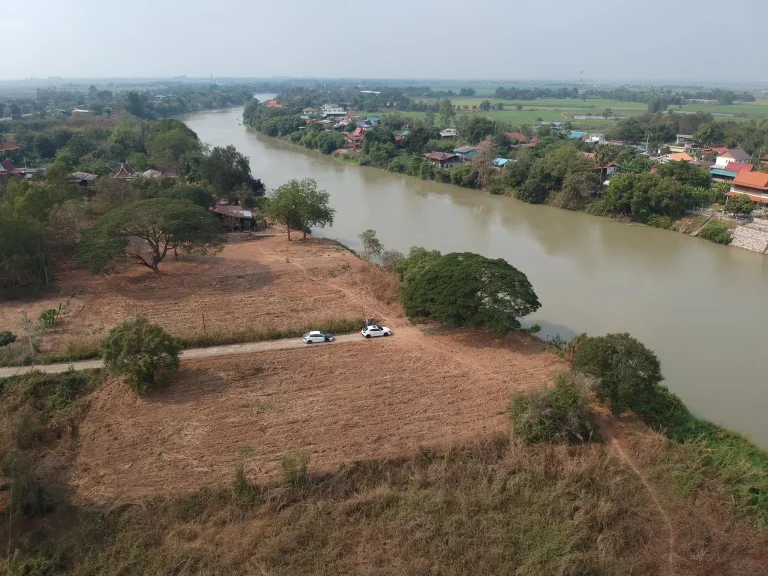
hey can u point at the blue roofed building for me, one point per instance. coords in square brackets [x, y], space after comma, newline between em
[500, 162]
[465, 152]
[576, 135]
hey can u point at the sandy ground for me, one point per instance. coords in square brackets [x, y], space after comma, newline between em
[335, 404]
[257, 285]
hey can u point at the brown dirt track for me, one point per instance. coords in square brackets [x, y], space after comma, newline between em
[336, 404]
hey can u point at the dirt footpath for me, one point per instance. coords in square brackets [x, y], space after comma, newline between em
[336, 404]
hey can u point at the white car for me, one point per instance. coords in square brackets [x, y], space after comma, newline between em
[374, 330]
[315, 336]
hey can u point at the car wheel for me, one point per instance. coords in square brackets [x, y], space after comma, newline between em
[386, 333]
[367, 335]
[309, 341]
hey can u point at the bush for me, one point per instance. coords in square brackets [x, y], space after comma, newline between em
[560, 414]
[7, 338]
[142, 351]
[626, 370]
[295, 470]
[716, 231]
[658, 221]
[48, 318]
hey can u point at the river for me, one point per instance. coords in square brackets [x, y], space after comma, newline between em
[698, 305]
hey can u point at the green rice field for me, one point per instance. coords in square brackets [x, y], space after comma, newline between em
[557, 110]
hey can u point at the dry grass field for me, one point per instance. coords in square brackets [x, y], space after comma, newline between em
[333, 404]
[249, 287]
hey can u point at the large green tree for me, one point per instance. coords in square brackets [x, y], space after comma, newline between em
[226, 169]
[626, 370]
[300, 205]
[142, 233]
[465, 289]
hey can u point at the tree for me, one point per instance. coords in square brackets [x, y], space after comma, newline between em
[740, 204]
[446, 111]
[300, 205]
[627, 371]
[143, 352]
[372, 246]
[485, 105]
[466, 289]
[142, 233]
[390, 258]
[607, 113]
[429, 118]
[195, 193]
[226, 169]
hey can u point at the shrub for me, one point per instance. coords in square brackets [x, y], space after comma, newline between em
[244, 494]
[716, 231]
[142, 351]
[658, 221]
[560, 414]
[295, 470]
[390, 258]
[626, 370]
[7, 338]
[48, 318]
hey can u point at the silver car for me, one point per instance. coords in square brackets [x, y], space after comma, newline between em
[315, 336]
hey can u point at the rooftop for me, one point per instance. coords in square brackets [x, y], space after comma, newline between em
[465, 149]
[757, 180]
[440, 156]
[739, 167]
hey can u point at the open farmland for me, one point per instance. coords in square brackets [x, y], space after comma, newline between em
[335, 404]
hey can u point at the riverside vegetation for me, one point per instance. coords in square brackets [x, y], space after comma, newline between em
[553, 170]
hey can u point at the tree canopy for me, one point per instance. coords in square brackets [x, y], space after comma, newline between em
[227, 169]
[300, 205]
[626, 369]
[142, 232]
[740, 204]
[465, 289]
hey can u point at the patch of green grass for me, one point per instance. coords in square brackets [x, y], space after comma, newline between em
[247, 449]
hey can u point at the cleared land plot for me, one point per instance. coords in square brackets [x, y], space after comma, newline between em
[256, 286]
[336, 404]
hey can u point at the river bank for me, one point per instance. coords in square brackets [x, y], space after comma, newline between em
[691, 302]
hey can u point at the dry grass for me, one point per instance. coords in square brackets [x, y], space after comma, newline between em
[337, 404]
[491, 507]
[266, 285]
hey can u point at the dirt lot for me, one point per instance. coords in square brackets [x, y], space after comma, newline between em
[336, 404]
[258, 285]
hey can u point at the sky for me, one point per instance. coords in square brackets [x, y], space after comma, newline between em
[657, 40]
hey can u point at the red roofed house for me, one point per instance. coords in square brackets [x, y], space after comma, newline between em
[7, 169]
[720, 150]
[126, 172]
[532, 142]
[521, 138]
[274, 104]
[605, 169]
[443, 159]
[355, 138]
[753, 184]
[764, 160]
[739, 167]
[8, 146]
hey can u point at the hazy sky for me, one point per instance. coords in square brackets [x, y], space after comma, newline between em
[707, 40]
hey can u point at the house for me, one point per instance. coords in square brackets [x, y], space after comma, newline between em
[764, 159]
[373, 121]
[125, 172]
[234, 217]
[448, 133]
[309, 111]
[83, 179]
[151, 173]
[731, 155]
[500, 162]
[7, 169]
[606, 170]
[9, 146]
[332, 110]
[576, 135]
[170, 172]
[517, 137]
[683, 143]
[355, 138]
[532, 142]
[593, 139]
[677, 157]
[465, 152]
[443, 159]
[753, 184]
[274, 104]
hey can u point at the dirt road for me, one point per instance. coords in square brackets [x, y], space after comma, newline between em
[185, 355]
